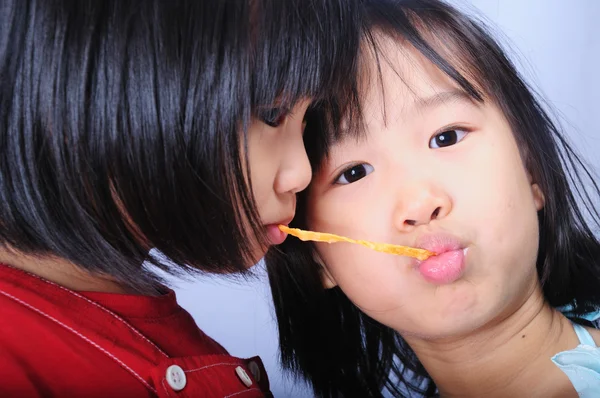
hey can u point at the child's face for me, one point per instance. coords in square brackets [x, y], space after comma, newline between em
[437, 168]
[279, 168]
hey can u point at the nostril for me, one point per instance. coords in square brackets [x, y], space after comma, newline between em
[436, 213]
[410, 222]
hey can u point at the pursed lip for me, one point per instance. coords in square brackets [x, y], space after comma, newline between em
[439, 243]
[274, 234]
[448, 263]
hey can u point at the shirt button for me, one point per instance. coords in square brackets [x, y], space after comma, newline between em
[176, 378]
[255, 370]
[243, 376]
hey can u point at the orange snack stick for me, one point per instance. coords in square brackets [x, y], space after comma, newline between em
[419, 254]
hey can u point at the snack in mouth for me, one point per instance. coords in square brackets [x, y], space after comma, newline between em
[419, 254]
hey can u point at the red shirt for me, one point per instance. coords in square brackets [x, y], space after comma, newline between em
[57, 342]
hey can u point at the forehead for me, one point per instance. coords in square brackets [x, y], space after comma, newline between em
[396, 78]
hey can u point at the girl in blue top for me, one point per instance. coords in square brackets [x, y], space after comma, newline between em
[444, 147]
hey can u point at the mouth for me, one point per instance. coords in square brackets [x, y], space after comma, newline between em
[275, 235]
[448, 265]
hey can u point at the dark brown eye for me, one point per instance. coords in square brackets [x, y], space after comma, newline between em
[354, 174]
[447, 138]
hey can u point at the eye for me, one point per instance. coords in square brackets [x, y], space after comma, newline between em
[447, 138]
[354, 173]
[273, 117]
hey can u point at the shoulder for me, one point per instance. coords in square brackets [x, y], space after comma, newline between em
[15, 379]
[41, 356]
[595, 333]
[582, 367]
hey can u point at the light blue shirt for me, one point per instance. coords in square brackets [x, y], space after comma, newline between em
[582, 364]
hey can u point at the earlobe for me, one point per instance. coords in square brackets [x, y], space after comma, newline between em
[538, 197]
[326, 278]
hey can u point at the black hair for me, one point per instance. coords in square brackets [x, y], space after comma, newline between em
[122, 123]
[341, 351]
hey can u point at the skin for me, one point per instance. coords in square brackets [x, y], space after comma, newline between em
[279, 168]
[430, 162]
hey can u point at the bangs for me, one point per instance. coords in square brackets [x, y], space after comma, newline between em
[304, 54]
[121, 123]
[460, 47]
[453, 43]
[449, 40]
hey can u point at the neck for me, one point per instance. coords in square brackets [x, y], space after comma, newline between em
[506, 357]
[61, 272]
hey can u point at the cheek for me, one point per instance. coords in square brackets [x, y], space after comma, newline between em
[499, 203]
[263, 161]
[355, 211]
[262, 187]
[325, 213]
[374, 282]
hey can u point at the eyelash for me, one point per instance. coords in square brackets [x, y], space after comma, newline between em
[265, 115]
[272, 117]
[443, 130]
[347, 169]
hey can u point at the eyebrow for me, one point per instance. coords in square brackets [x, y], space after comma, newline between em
[443, 98]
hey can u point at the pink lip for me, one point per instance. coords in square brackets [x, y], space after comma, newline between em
[438, 243]
[449, 262]
[275, 235]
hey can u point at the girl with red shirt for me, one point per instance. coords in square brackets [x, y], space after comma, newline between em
[132, 125]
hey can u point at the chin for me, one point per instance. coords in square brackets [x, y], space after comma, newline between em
[440, 331]
[256, 258]
[434, 326]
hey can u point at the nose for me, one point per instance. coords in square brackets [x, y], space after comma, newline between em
[295, 172]
[419, 204]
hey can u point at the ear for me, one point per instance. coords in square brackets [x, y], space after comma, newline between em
[326, 278]
[538, 196]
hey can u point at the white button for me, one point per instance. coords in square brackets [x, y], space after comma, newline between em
[255, 370]
[243, 376]
[176, 377]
